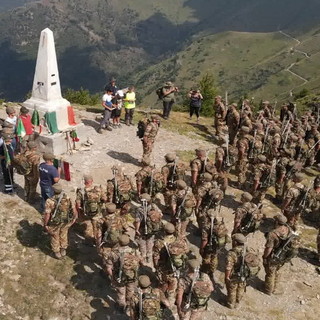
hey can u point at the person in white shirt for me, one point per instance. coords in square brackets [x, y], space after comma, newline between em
[108, 107]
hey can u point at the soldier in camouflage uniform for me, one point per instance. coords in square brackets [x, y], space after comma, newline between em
[233, 121]
[31, 179]
[59, 216]
[313, 203]
[235, 285]
[182, 205]
[122, 264]
[113, 225]
[148, 224]
[247, 217]
[89, 204]
[274, 238]
[149, 137]
[199, 165]
[173, 257]
[273, 144]
[120, 188]
[147, 302]
[193, 293]
[291, 205]
[243, 144]
[214, 237]
[220, 112]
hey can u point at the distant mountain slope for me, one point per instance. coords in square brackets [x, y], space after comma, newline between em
[99, 38]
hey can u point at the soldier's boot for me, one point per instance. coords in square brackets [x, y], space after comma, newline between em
[57, 255]
[127, 123]
[63, 252]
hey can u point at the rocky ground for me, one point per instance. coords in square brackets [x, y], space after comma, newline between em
[37, 287]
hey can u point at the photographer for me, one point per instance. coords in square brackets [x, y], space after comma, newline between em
[195, 103]
[168, 98]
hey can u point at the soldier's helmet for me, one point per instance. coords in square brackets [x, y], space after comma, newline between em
[57, 188]
[181, 184]
[144, 281]
[281, 219]
[298, 177]
[262, 158]
[169, 228]
[207, 177]
[211, 168]
[246, 197]
[239, 238]
[124, 240]
[189, 203]
[111, 208]
[245, 130]
[193, 264]
[170, 157]
[146, 196]
[216, 194]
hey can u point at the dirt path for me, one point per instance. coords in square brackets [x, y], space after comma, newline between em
[35, 286]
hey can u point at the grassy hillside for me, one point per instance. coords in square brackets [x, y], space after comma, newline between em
[243, 63]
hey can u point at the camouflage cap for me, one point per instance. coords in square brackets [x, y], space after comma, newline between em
[200, 150]
[57, 188]
[211, 213]
[262, 158]
[31, 144]
[298, 177]
[88, 177]
[266, 102]
[245, 129]
[239, 237]
[111, 208]
[124, 240]
[280, 218]
[181, 184]
[207, 177]
[145, 196]
[170, 157]
[234, 105]
[169, 228]
[246, 196]
[294, 138]
[144, 281]
[10, 110]
[189, 204]
[193, 264]
[48, 157]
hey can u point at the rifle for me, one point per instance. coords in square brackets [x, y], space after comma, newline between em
[120, 267]
[205, 162]
[181, 205]
[303, 202]
[247, 226]
[145, 214]
[116, 195]
[227, 152]
[276, 255]
[242, 267]
[267, 181]
[265, 139]
[194, 280]
[175, 271]
[57, 206]
[171, 181]
[140, 304]
[151, 181]
[253, 144]
[313, 147]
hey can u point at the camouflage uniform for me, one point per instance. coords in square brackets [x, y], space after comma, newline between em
[271, 268]
[90, 204]
[214, 237]
[170, 266]
[220, 113]
[235, 286]
[148, 139]
[281, 173]
[233, 120]
[31, 179]
[58, 220]
[124, 192]
[122, 265]
[147, 228]
[200, 294]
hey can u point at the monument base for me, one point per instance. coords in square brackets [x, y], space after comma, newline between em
[58, 144]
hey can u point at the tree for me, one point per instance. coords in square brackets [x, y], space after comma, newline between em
[209, 91]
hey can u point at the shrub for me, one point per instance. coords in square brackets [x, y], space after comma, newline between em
[82, 97]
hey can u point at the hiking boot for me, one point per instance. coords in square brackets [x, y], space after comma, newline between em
[100, 130]
[58, 255]
[108, 128]
[127, 123]
[63, 252]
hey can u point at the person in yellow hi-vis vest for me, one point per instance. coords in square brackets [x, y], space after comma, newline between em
[129, 105]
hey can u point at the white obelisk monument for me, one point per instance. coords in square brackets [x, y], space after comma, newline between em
[46, 91]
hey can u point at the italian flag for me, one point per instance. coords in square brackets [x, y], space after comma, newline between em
[21, 131]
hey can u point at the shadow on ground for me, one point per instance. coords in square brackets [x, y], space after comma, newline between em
[123, 157]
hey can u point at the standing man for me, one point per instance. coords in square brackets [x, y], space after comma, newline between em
[233, 121]
[149, 138]
[220, 113]
[49, 175]
[129, 105]
[6, 156]
[108, 107]
[195, 103]
[168, 98]
[59, 216]
[31, 179]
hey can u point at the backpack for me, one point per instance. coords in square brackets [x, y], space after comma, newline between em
[92, 200]
[157, 182]
[287, 249]
[114, 230]
[178, 250]
[246, 268]
[154, 223]
[63, 214]
[159, 93]
[130, 267]
[21, 164]
[200, 293]
[151, 308]
[248, 223]
[219, 236]
[142, 125]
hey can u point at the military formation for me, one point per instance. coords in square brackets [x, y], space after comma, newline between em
[140, 225]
